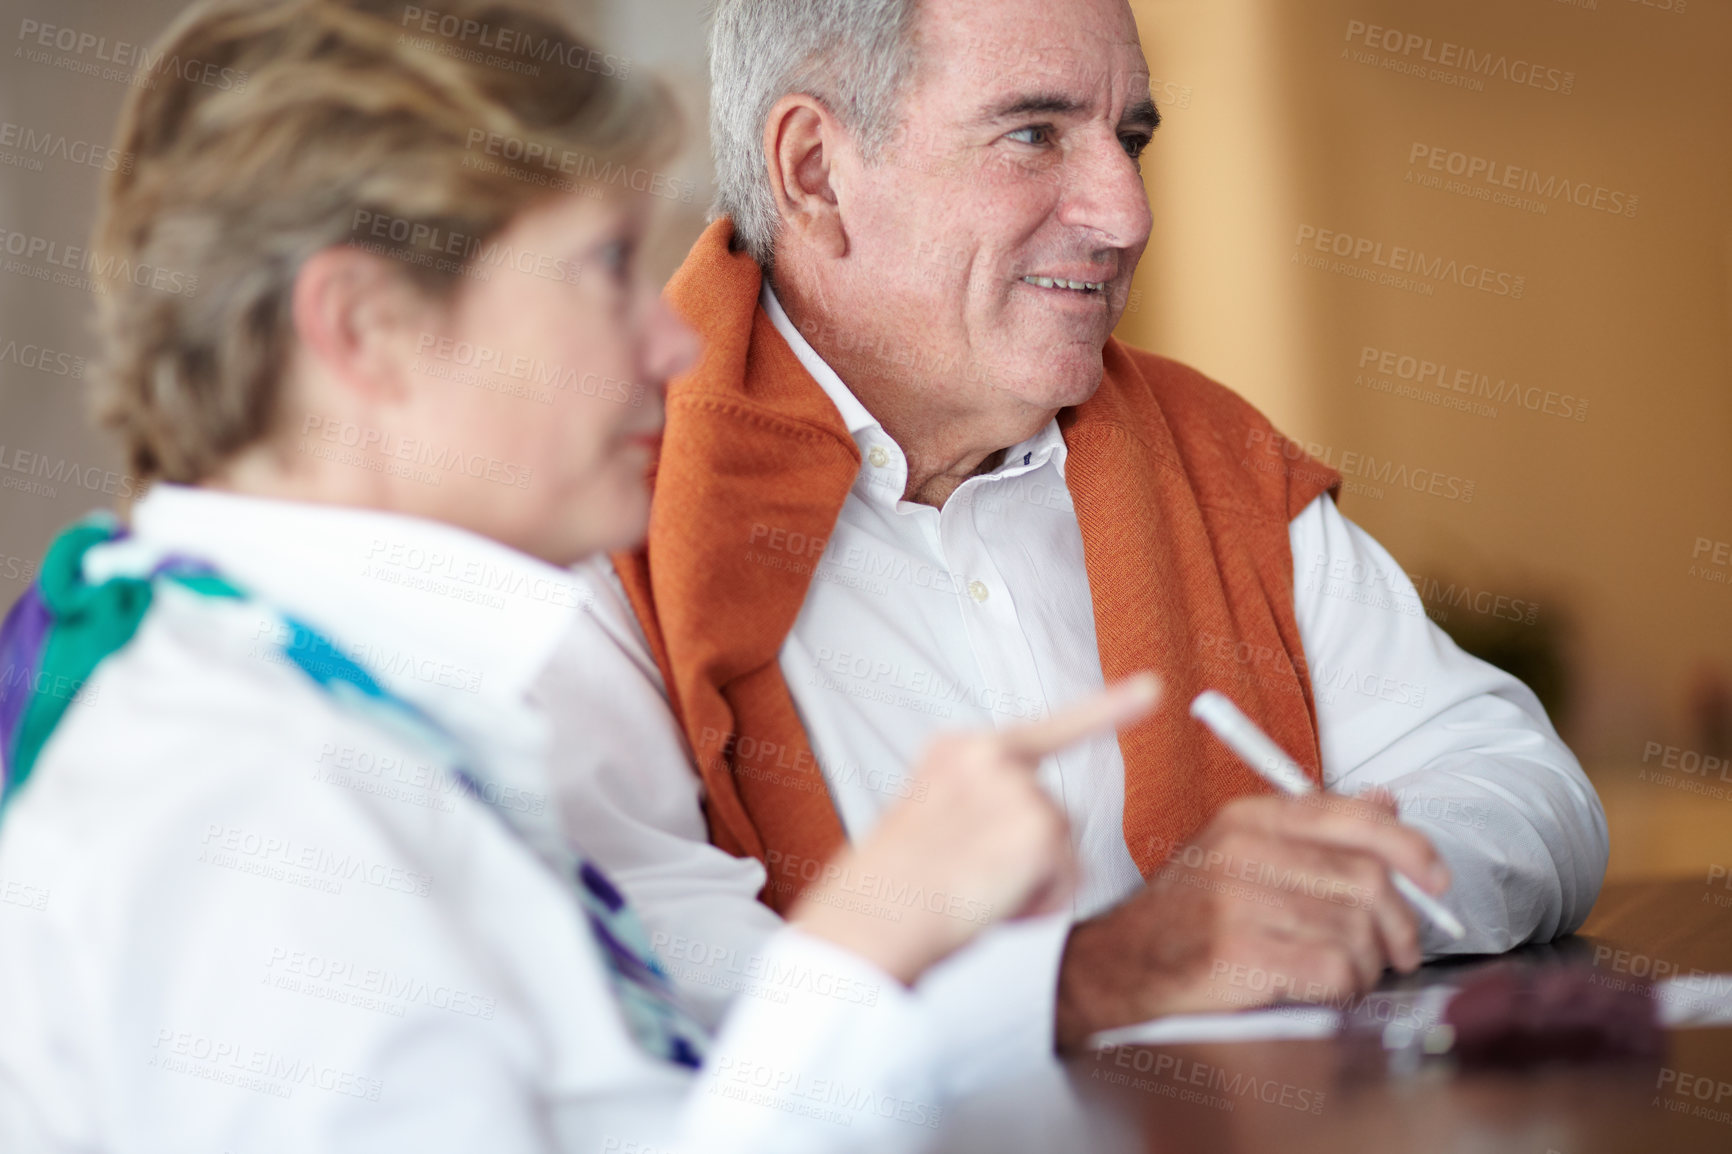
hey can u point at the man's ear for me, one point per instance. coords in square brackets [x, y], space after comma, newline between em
[803, 142]
[354, 315]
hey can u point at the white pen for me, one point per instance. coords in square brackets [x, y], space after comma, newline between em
[1240, 734]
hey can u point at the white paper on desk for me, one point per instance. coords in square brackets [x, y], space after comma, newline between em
[1243, 1026]
[1690, 1001]
[1695, 1000]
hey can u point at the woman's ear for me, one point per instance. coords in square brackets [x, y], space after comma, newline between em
[357, 317]
[804, 143]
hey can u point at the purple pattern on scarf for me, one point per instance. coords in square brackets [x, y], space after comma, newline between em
[180, 563]
[23, 637]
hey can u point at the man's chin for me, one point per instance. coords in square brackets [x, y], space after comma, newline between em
[1058, 382]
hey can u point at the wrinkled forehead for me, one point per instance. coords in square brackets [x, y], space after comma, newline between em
[984, 50]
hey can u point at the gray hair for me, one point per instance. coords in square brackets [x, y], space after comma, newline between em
[854, 55]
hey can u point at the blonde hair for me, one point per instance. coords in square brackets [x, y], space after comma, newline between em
[266, 130]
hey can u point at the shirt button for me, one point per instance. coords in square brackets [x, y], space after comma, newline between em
[878, 457]
[978, 590]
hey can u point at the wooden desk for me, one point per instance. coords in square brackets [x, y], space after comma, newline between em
[1300, 1096]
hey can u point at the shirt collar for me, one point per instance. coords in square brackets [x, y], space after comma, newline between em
[1047, 444]
[854, 414]
[401, 594]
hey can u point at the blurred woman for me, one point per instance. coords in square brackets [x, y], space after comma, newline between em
[274, 780]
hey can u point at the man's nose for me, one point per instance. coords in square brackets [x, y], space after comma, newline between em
[1103, 192]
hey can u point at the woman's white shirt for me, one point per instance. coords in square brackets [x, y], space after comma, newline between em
[239, 917]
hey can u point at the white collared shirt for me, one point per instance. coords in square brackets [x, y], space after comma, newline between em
[242, 918]
[979, 614]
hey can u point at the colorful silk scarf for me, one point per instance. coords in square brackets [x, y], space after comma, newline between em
[63, 627]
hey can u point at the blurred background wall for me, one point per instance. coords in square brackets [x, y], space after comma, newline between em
[1477, 254]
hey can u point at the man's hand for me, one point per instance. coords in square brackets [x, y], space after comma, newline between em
[1278, 899]
[981, 843]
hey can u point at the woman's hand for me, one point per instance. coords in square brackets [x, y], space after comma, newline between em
[982, 842]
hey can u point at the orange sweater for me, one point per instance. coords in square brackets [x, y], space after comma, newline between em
[1183, 492]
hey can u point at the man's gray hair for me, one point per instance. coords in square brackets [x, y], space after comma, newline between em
[854, 55]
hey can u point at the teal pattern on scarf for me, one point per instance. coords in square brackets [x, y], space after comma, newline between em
[63, 627]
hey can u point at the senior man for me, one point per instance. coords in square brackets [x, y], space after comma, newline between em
[914, 485]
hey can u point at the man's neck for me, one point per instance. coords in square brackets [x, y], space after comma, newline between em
[944, 437]
[935, 472]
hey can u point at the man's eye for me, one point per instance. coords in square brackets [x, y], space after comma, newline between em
[1038, 133]
[1134, 145]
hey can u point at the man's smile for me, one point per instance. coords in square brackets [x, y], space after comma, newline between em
[1050, 282]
